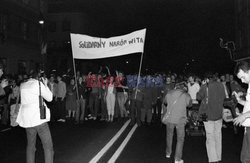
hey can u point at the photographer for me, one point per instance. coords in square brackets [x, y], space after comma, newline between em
[29, 116]
[212, 95]
[242, 70]
[177, 101]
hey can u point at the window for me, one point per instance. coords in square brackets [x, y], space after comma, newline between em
[3, 28]
[24, 29]
[52, 26]
[66, 26]
[240, 3]
[26, 1]
[66, 44]
[52, 44]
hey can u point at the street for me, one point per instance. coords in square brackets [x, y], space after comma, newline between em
[81, 143]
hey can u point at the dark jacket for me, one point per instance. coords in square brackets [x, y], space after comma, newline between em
[82, 90]
[139, 95]
[216, 95]
[148, 95]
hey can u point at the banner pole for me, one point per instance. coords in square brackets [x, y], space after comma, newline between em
[74, 66]
[139, 74]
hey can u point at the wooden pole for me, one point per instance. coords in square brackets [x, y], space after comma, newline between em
[74, 66]
[139, 74]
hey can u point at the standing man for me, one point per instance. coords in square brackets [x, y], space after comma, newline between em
[94, 95]
[29, 117]
[212, 95]
[121, 94]
[242, 71]
[177, 101]
[193, 88]
[146, 111]
[60, 99]
[136, 105]
[81, 102]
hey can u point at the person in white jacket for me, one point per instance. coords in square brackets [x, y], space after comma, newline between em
[29, 117]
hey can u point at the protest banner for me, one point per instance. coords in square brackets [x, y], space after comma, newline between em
[87, 47]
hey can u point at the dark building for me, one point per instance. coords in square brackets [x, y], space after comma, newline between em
[242, 8]
[64, 17]
[20, 35]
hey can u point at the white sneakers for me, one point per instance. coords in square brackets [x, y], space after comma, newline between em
[61, 120]
[167, 155]
[180, 161]
[176, 161]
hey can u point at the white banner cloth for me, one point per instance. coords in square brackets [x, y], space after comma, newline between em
[87, 47]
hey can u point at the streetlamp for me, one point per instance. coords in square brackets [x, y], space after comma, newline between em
[41, 22]
[43, 46]
[229, 46]
[41, 19]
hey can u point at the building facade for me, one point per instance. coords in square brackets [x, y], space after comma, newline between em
[64, 17]
[20, 35]
[242, 9]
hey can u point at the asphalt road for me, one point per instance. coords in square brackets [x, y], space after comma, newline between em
[148, 145]
[80, 143]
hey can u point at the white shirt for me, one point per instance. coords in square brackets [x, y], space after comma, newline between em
[110, 88]
[225, 88]
[52, 86]
[246, 108]
[61, 89]
[15, 91]
[192, 91]
[29, 113]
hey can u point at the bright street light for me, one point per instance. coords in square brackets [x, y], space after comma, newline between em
[41, 22]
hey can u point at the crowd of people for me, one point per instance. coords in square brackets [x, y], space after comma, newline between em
[106, 96]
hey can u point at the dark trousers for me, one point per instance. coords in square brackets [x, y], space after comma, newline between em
[104, 112]
[180, 131]
[157, 111]
[80, 111]
[60, 108]
[5, 114]
[135, 111]
[45, 136]
[52, 106]
[146, 111]
[116, 109]
[245, 151]
[93, 104]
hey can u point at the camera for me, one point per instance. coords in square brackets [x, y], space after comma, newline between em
[41, 76]
[203, 117]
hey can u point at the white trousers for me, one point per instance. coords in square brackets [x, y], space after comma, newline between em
[110, 100]
[214, 140]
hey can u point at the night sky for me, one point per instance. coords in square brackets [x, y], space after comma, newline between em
[180, 33]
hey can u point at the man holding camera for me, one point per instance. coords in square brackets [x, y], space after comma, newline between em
[29, 116]
[177, 101]
[212, 95]
[242, 70]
